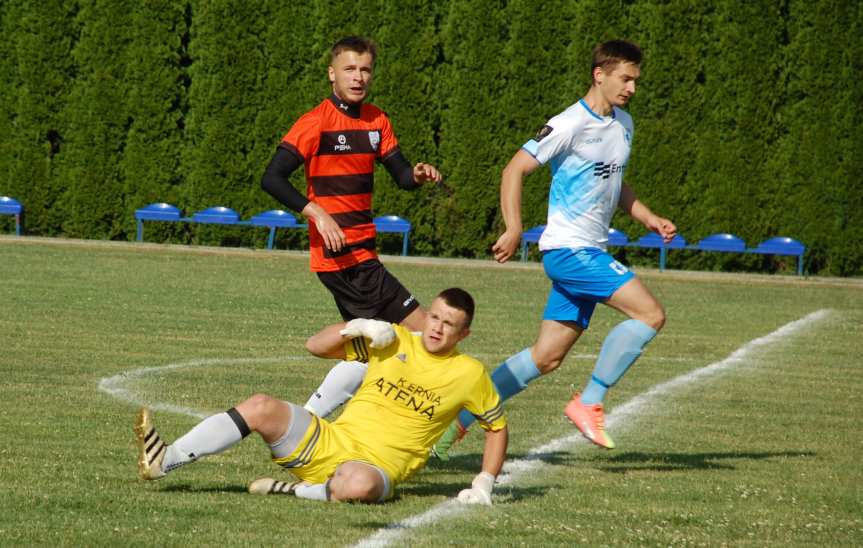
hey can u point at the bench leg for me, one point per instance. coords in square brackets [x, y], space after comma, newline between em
[271, 238]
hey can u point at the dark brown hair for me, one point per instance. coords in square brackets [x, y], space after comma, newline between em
[460, 299]
[608, 55]
[357, 44]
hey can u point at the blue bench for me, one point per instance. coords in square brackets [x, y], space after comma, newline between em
[10, 206]
[729, 243]
[273, 219]
[219, 215]
[394, 223]
[721, 242]
[782, 246]
[532, 235]
[652, 240]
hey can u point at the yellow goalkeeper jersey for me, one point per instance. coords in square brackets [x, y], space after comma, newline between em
[409, 397]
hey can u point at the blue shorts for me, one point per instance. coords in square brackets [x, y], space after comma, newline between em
[580, 278]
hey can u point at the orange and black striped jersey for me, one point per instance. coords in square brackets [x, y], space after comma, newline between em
[339, 144]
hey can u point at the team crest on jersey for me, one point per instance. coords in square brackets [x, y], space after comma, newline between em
[375, 139]
[402, 357]
[542, 133]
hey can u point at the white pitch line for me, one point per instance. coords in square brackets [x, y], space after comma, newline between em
[488, 357]
[118, 385]
[536, 457]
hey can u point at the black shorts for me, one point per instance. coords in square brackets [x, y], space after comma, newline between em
[368, 290]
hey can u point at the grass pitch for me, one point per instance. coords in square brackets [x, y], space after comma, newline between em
[766, 453]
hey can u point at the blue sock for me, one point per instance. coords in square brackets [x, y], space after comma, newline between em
[621, 348]
[510, 378]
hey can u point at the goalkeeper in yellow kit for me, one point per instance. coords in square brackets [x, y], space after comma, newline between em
[415, 386]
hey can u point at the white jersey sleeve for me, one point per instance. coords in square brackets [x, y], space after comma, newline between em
[555, 138]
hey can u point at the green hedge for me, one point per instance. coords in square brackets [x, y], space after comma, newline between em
[747, 115]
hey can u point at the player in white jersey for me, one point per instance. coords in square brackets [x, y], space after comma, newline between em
[587, 148]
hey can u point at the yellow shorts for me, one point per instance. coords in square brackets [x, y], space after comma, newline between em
[322, 449]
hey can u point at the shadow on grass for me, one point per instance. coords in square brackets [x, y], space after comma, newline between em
[624, 462]
[472, 462]
[197, 488]
[673, 462]
[450, 490]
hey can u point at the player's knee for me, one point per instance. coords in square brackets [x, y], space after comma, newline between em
[257, 408]
[357, 486]
[362, 488]
[653, 316]
[656, 317]
[546, 363]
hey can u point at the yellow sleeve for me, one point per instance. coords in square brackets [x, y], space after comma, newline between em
[485, 404]
[357, 349]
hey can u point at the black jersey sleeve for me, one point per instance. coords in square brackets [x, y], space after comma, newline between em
[275, 180]
[400, 169]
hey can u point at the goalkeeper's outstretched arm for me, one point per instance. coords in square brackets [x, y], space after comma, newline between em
[329, 341]
[493, 456]
[494, 452]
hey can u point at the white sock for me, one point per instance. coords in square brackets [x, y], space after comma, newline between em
[317, 491]
[212, 435]
[340, 384]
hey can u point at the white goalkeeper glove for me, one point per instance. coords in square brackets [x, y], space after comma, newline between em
[380, 333]
[480, 490]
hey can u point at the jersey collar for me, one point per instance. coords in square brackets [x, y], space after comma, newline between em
[348, 109]
[583, 103]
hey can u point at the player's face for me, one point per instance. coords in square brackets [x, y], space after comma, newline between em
[618, 85]
[444, 327]
[351, 75]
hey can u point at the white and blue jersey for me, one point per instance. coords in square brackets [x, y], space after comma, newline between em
[588, 155]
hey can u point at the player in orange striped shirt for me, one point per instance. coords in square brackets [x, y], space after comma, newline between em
[338, 143]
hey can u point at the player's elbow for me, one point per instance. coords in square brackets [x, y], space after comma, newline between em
[500, 439]
[327, 343]
[521, 165]
[502, 436]
[510, 171]
[314, 346]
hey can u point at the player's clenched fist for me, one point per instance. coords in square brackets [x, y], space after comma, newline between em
[381, 334]
[480, 490]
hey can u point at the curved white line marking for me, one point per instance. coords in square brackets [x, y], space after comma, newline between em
[118, 386]
[536, 457]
